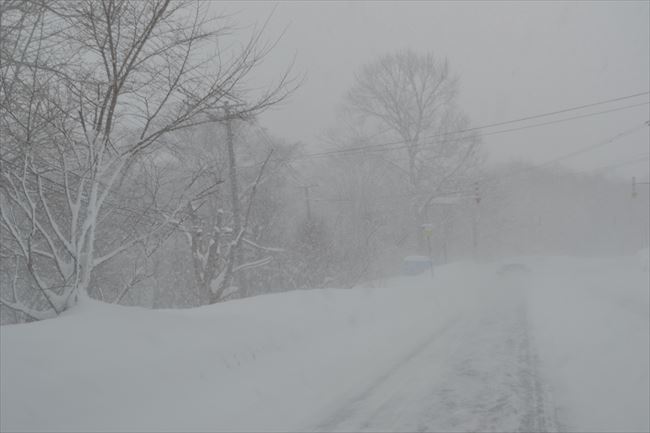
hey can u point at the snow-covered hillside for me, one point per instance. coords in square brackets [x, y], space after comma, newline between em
[415, 353]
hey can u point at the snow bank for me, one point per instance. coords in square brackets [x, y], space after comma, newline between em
[267, 363]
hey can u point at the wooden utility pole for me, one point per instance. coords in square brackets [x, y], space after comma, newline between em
[635, 194]
[477, 199]
[307, 199]
[236, 209]
[427, 228]
[232, 171]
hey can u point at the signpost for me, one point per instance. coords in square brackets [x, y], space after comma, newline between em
[428, 231]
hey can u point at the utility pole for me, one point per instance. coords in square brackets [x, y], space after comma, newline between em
[234, 195]
[634, 196]
[232, 170]
[477, 199]
[634, 185]
[307, 200]
[428, 232]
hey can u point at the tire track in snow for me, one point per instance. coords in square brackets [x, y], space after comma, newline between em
[350, 406]
[541, 416]
[476, 374]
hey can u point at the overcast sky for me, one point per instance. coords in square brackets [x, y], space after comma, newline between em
[514, 59]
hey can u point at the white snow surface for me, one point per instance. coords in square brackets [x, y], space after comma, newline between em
[565, 348]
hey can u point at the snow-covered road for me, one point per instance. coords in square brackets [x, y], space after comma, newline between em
[566, 349]
[477, 373]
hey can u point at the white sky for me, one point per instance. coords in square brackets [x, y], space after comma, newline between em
[514, 59]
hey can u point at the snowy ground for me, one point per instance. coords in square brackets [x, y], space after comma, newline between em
[565, 348]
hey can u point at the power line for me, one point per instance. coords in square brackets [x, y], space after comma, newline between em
[559, 158]
[392, 145]
[571, 154]
[565, 110]
[521, 119]
[582, 116]
[400, 144]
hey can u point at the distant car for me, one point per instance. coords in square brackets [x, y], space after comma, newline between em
[414, 265]
[511, 269]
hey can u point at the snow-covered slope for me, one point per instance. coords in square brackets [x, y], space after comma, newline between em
[290, 361]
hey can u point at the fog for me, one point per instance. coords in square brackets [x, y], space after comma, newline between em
[324, 216]
[513, 60]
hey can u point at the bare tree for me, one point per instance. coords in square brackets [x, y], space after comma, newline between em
[127, 74]
[412, 98]
[221, 228]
